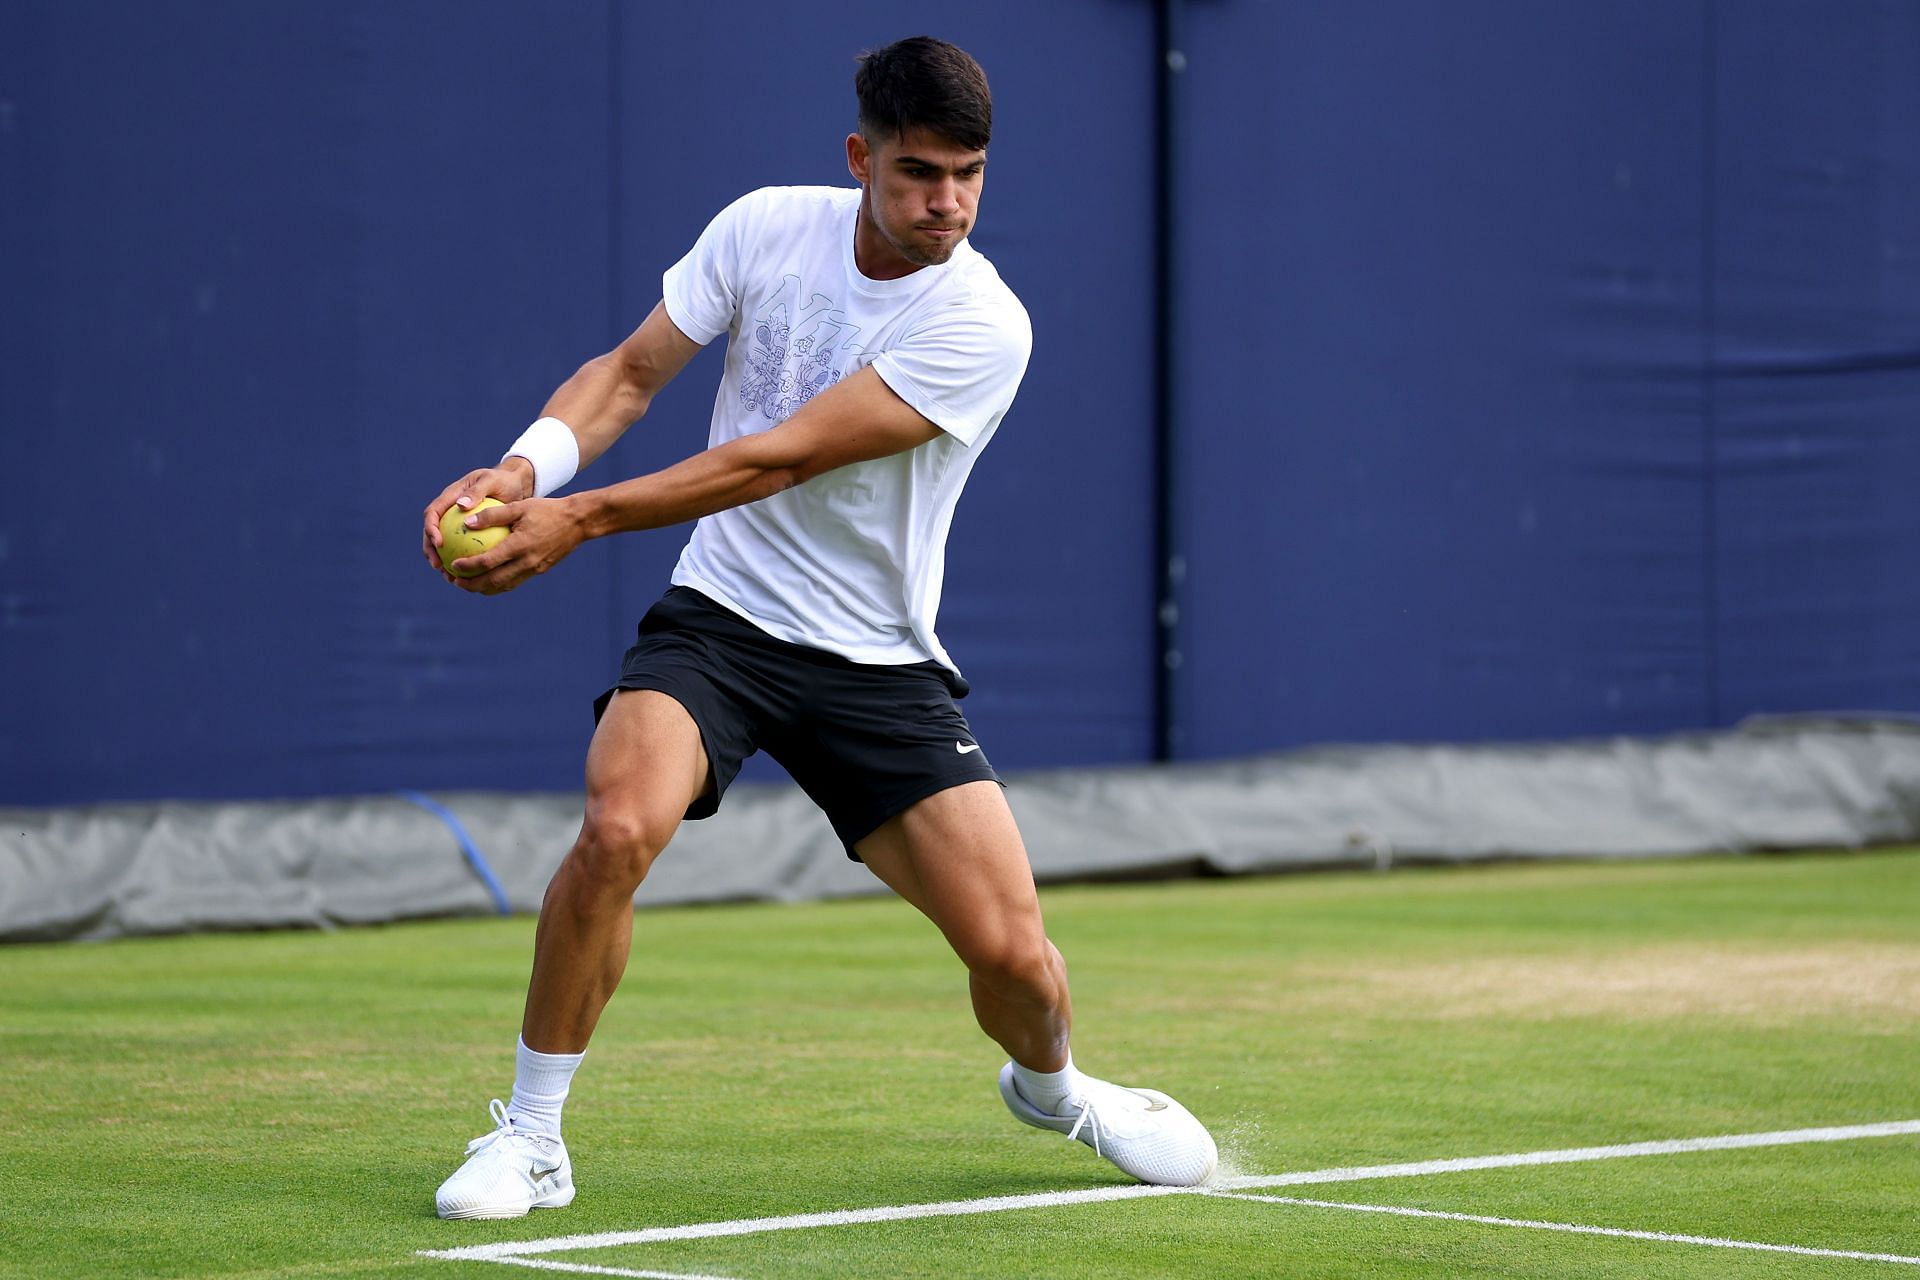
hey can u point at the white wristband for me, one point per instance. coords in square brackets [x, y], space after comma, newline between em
[550, 446]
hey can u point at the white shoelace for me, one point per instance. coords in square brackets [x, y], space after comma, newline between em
[1087, 1113]
[498, 1110]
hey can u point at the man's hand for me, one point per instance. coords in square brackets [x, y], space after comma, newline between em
[544, 531]
[511, 481]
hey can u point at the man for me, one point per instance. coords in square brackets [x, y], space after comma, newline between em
[871, 355]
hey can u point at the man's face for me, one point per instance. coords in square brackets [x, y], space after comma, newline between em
[923, 194]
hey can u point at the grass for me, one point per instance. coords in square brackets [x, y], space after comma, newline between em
[284, 1104]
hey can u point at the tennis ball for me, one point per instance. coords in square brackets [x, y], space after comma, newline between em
[457, 541]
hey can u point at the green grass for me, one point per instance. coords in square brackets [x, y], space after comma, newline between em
[284, 1104]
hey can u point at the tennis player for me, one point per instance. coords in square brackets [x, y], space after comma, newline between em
[871, 354]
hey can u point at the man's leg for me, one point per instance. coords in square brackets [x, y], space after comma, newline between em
[645, 766]
[958, 857]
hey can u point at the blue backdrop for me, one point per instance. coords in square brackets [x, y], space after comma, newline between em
[1544, 369]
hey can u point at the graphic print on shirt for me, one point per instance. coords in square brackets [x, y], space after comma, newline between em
[793, 358]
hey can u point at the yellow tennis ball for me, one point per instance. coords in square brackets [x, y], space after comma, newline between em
[457, 541]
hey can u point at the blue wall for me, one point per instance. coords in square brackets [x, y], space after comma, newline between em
[1546, 369]
[1472, 365]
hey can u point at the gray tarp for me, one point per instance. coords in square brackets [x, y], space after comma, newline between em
[112, 870]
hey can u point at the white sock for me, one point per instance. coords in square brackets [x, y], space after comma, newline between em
[1047, 1090]
[540, 1085]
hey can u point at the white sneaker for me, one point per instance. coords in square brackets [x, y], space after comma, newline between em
[507, 1172]
[1147, 1134]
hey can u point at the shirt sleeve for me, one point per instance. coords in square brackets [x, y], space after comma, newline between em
[702, 290]
[960, 368]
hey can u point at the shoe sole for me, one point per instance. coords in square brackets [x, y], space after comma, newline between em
[555, 1200]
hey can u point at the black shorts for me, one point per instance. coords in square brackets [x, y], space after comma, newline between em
[865, 742]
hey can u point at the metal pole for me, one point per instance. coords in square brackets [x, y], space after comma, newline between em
[1169, 563]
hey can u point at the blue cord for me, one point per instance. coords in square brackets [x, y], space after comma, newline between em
[468, 848]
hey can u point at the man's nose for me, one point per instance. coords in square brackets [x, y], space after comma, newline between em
[945, 198]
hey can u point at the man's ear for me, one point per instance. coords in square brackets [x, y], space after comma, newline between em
[859, 158]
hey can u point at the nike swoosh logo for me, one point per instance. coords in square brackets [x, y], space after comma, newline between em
[964, 747]
[539, 1173]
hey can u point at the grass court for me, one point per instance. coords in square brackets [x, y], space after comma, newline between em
[285, 1104]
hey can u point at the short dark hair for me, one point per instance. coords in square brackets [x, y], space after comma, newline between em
[924, 83]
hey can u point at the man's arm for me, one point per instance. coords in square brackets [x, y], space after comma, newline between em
[855, 420]
[604, 397]
[610, 393]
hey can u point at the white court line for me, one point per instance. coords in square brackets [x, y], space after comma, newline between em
[587, 1268]
[510, 1250]
[800, 1222]
[1574, 1155]
[1716, 1242]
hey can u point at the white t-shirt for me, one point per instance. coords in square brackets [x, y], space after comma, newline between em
[851, 561]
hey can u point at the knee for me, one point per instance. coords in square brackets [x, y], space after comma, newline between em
[617, 847]
[1022, 968]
